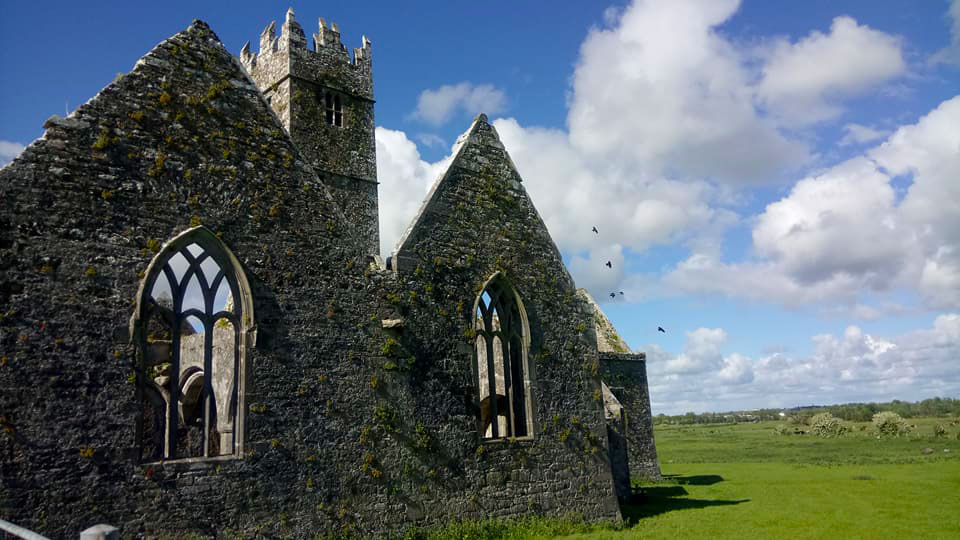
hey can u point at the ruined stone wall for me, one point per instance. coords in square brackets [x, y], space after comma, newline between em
[616, 439]
[479, 221]
[351, 424]
[184, 139]
[626, 376]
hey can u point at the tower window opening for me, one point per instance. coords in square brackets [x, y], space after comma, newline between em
[334, 109]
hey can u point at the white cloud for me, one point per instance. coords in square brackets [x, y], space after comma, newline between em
[593, 274]
[852, 366]
[737, 369]
[662, 90]
[630, 208]
[762, 281]
[437, 106]
[404, 180]
[665, 130]
[9, 150]
[940, 277]
[859, 134]
[929, 151]
[803, 81]
[843, 233]
[841, 222]
[701, 353]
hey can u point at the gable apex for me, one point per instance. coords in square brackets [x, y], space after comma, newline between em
[478, 151]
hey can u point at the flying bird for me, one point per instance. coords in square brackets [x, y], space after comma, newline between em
[609, 264]
[612, 295]
[595, 230]
[621, 293]
[660, 329]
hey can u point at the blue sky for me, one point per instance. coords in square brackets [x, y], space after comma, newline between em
[776, 184]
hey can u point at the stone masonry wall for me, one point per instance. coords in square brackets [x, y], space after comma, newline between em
[476, 222]
[626, 375]
[352, 424]
[184, 139]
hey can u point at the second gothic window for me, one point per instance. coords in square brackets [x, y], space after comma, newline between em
[501, 363]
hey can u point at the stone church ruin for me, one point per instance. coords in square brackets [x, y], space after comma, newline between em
[197, 336]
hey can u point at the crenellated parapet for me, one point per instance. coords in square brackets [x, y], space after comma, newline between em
[328, 62]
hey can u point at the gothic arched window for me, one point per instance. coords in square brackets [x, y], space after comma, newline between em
[500, 362]
[192, 326]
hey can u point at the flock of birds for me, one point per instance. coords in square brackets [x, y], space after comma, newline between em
[614, 295]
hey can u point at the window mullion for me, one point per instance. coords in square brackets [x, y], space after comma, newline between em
[492, 382]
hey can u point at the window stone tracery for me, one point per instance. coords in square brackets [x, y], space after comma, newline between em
[500, 358]
[192, 323]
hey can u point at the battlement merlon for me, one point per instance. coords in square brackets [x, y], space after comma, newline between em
[328, 64]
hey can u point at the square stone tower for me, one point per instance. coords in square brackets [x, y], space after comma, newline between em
[325, 100]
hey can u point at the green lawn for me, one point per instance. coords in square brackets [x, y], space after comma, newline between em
[774, 500]
[744, 481]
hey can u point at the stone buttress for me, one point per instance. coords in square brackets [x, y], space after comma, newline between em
[624, 374]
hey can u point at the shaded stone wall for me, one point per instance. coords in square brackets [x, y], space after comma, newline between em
[616, 438]
[626, 376]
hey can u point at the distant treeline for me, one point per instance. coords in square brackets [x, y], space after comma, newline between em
[853, 412]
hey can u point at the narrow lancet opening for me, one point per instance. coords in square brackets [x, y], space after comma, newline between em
[500, 358]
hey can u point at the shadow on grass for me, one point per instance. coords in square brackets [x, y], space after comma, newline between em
[655, 500]
[695, 480]
[659, 492]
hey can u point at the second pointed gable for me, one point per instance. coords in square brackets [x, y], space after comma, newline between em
[477, 208]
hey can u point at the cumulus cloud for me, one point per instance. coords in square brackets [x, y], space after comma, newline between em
[851, 366]
[431, 140]
[929, 151]
[843, 232]
[632, 208]
[437, 106]
[661, 88]
[701, 353]
[669, 121]
[840, 222]
[755, 280]
[404, 180]
[802, 81]
[9, 150]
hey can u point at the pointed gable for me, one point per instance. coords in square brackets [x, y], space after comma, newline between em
[478, 201]
[187, 124]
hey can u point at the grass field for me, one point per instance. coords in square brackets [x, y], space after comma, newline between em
[745, 481]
